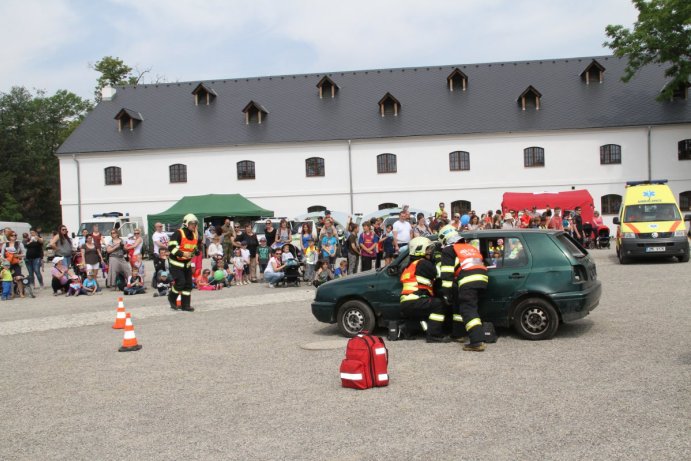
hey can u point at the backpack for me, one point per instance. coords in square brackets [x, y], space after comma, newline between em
[365, 363]
[12, 255]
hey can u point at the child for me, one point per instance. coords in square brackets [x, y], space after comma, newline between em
[163, 284]
[341, 270]
[311, 257]
[135, 284]
[323, 274]
[239, 265]
[203, 281]
[75, 288]
[6, 276]
[246, 261]
[264, 254]
[90, 286]
[286, 255]
[388, 244]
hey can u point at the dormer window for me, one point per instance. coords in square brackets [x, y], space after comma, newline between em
[530, 98]
[388, 105]
[681, 92]
[254, 113]
[593, 73]
[457, 80]
[128, 119]
[327, 87]
[203, 95]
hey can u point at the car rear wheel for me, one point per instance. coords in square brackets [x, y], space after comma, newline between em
[622, 259]
[535, 319]
[354, 316]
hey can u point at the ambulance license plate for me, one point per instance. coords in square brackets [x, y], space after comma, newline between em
[654, 249]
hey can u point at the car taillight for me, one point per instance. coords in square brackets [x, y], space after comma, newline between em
[579, 273]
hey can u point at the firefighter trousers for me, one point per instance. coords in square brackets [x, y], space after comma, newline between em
[431, 311]
[467, 299]
[182, 278]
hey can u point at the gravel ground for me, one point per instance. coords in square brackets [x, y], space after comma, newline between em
[235, 381]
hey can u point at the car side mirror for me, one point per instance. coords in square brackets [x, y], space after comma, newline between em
[616, 220]
[392, 270]
[687, 217]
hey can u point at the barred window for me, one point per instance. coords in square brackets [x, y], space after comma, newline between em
[610, 204]
[113, 176]
[685, 201]
[610, 154]
[246, 169]
[314, 166]
[386, 163]
[178, 172]
[533, 156]
[459, 161]
[685, 149]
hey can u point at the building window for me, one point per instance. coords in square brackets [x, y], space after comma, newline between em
[327, 88]
[254, 113]
[593, 73]
[685, 149]
[530, 98]
[609, 204]
[386, 163]
[387, 205]
[457, 80]
[610, 154]
[178, 172]
[459, 161]
[314, 166]
[685, 201]
[246, 169]
[681, 92]
[388, 105]
[533, 156]
[203, 95]
[113, 176]
[128, 119]
[461, 207]
[316, 208]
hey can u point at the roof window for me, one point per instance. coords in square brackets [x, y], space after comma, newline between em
[530, 97]
[681, 92]
[388, 105]
[593, 73]
[203, 95]
[327, 87]
[128, 119]
[457, 80]
[254, 113]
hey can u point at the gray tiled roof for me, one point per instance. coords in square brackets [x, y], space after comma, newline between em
[296, 113]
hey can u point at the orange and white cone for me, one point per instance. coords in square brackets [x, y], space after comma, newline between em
[178, 302]
[129, 341]
[120, 316]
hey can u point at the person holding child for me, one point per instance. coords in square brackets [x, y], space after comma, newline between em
[274, 270]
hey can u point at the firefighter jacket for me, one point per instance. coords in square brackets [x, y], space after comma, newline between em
[183, 240]
[462, 263]
[418, 280]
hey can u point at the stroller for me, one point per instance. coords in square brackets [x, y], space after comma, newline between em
[602, 237]
[293, 270]
[588, 236]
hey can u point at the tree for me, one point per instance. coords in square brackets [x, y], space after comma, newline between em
[661, 35]
[115, 72]
[33, 126]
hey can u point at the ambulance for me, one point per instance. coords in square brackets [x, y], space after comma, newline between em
[650, 223]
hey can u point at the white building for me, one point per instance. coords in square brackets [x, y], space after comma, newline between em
[353, 141]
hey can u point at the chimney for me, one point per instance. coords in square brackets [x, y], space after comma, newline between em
[107, 93]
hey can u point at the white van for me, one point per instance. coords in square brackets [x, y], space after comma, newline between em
[19, 227]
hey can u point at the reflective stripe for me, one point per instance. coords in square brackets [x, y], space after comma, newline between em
[380, 351]
[436, 317]
[352, 376]
[383, 377]
[447, 269]
[473, 278]
[446, 284]
[423, 280]
[423, 324]
[473, 323]
[129, 334]
[173, 244]
[457, 318]
[410, 297]
[187, 293]
[173, 289]
[410, 286]
[176, 263]
[469, 262]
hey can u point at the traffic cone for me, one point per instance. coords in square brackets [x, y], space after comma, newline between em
[129, 341]
[120, 316]
[178, 302]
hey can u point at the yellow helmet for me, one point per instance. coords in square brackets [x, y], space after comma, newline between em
[188, 219]
[448, 235]
[418, 246]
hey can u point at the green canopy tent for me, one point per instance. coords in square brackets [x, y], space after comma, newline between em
[207, 206]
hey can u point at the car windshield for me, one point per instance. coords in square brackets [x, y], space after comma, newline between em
[103, 227]
[651, 213]
[297, 226]
[259, 227]
[571, 246]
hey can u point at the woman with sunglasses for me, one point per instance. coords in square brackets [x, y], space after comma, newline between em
[135, 245]
[62, 245]
[116, 260]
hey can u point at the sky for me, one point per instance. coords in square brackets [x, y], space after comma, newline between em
[52, 44]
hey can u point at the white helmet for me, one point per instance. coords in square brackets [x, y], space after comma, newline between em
[448, 235]
[189, 219]
[418, 246]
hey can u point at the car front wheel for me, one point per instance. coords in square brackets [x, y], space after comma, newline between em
[353, 317]
[535, 319]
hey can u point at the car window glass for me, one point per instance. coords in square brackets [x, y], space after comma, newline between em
[515, 254]
[259, 228]
[570, 245]
[652, 213]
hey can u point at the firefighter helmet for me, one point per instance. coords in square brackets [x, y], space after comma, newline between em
[448, 235]
[189, 219]
[418, 246]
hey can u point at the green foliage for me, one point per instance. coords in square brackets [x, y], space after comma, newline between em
[661, 35]
[32, 127]
[114, 72]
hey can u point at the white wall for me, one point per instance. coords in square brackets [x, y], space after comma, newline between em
[423, 179]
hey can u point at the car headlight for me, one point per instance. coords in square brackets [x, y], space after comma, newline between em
[680, 233]
[628, 235]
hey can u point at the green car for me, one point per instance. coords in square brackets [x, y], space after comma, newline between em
[537, 279]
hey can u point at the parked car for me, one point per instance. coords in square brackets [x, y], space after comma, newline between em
[543, 277]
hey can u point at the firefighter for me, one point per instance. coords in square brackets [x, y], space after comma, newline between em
[183, 246]
[418, 303]
[462, 265]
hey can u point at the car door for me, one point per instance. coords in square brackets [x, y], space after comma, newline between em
[383, 290]
[508, 268]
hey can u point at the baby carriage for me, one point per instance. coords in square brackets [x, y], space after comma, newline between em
[588, 236]
[602, 237]
[293, 269]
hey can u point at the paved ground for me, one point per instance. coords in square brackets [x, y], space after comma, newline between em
[232, 381]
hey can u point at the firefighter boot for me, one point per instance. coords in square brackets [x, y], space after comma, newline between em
[172, 300]
[186, 300]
